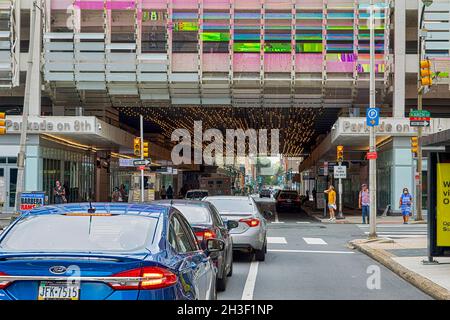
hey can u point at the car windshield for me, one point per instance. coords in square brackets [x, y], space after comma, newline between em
[62, 233]
[288, 195]
[231, 205]
[196, 194]
[195, 214]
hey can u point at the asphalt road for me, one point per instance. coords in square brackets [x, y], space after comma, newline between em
[311, 260]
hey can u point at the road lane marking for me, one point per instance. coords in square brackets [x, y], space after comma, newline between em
[401, 235]
[276, 217]
[315, 241]
[303, 222]
[310, 251]
[276, 240]
[249, 287]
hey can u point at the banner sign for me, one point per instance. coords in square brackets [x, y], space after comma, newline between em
[31, 200]
[443, 205]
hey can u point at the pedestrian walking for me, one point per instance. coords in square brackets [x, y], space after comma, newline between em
[169, 192]
[60, 193]
[116, 195]
[364, 202]
[405, 205]
[331, 202]
[123, 193]
[163, 192]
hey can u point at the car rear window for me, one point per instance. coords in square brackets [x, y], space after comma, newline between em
[61, 233]
[196, 195]
[194, 214]
[288, 195]
[230, 205]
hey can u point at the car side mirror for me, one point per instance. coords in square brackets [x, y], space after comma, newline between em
[231, 224]
[214, 245]
[268, 214]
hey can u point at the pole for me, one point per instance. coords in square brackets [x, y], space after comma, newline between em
[372, 162]
[26, 106]
[142, 155]
[340, 214]
[419, 216]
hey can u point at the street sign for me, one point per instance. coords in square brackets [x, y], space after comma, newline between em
[372, 155]
[373, 117]
[139, 163]
[126, 163]
[419, 118]
[340, 172]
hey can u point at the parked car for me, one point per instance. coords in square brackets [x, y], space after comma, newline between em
[265, 193]
[196, 194]
[287, 200]
[105, 252]
[251, 234]
[208, 224]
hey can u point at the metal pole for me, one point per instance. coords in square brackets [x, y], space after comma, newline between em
[26, 106]
[419, 133]
[372, 162]
[340, 214]
[142, 155]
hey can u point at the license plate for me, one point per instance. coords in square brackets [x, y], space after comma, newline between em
[289, 201]
[49, 290]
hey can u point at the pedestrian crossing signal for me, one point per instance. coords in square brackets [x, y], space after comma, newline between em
[2, 123]
[414, 145]
[137, 147]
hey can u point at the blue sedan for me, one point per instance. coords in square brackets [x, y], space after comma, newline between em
[105, 251]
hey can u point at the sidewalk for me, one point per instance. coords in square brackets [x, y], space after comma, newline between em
[355, 217]
[404, 257]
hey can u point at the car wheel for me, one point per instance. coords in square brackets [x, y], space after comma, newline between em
[221, 284]
[260, 255]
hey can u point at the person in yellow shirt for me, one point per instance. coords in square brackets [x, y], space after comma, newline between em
[331, 202]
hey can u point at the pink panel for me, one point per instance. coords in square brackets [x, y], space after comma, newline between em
[184, 62]
[278, 4]
[247, 4]
[216, 4]
[154, 4]
[338, 66]
[308, 63]
[216, 62]
[60, 4]
[185, 4]
[246, 62]
[277, 62]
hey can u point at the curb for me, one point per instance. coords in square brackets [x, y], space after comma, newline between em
[429, 287]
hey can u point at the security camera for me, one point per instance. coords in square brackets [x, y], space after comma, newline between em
[333, 127]
[99, 127]
[440, 128]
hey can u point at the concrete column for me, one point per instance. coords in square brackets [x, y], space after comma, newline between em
[399, 58]
[33, 165]
[36, 80]
[402, 163]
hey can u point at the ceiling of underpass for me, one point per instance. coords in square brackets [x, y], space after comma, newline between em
[299, 127]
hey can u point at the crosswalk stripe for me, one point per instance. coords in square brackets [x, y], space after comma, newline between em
[303, 222]
[314, 241]
[276, 240]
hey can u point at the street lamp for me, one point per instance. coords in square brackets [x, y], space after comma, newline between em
[420, 91]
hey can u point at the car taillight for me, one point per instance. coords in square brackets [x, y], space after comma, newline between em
[205, 235]
[147, 278]
[251, 222]
[4, 283]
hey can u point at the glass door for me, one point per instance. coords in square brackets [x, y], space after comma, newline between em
[12, 184]
[8, 185]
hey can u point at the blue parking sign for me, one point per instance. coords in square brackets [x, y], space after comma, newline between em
[373, 117]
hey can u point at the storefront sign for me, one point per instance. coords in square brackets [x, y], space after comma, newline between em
[52, 125]
[31, 200]
[372, 155]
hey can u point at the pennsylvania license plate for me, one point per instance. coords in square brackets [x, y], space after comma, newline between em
[49, 290]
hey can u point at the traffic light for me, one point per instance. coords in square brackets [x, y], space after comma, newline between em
[146, 149]
[2, 123]
[414, 144]
[340, 153]
[425, 73]
[137, 147]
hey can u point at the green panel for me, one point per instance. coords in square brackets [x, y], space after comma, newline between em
[215, 36]
[309, 47]
[277, 47]
[247, 47]
[186, 26]
[305, 37]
